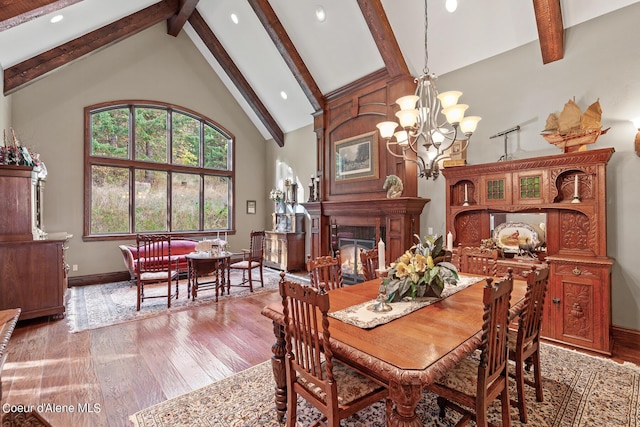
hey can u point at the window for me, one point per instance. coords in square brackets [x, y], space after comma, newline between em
[155, 168]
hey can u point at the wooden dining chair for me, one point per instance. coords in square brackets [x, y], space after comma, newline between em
[477, 260]
[154, 265]
[252, 259]
[326, 270]
[369, 260]
[336, 390]
[524, 343]
[472, 385]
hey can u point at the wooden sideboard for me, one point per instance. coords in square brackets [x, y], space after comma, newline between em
[578, 304]
[33, 277]
[284, 250]
[32, 268]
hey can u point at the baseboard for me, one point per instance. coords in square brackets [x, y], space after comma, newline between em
[96, 279]
[630, 338]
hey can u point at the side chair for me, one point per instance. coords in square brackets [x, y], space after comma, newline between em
[476, 260]
[472, 385]
[524, 343]
[326, 270]
[369, 260]
[251, 259]
[335, 389]
[154, 264]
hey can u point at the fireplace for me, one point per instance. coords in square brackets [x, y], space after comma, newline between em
[350, 254]
[350, 241]
[393, 220]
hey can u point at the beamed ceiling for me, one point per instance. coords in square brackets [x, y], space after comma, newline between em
[278, 45]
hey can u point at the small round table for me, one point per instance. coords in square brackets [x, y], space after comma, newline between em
[201, 263]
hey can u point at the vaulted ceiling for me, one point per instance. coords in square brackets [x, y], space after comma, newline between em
[279, 46]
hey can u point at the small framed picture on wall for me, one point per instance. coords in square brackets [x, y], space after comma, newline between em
[251, 207]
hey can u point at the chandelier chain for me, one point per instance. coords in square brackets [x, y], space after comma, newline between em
[425, 70]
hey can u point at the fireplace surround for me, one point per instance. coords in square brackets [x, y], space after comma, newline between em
[396, 220]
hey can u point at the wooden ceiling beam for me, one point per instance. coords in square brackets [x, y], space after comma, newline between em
[550, 29]
[21, 11]
[177, 21]
[220, 54]
[287, 49]
[383, 35]
[30, 70]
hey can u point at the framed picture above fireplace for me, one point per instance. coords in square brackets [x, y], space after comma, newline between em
[356, 158]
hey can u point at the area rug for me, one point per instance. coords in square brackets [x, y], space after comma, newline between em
[96, 306]
[579, 390]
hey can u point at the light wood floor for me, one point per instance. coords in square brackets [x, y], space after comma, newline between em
[119, 370]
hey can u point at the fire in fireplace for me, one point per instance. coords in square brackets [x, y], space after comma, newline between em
[350, 254]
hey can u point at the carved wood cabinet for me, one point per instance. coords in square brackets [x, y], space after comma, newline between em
[571, 190]
[284, 250]
[32, 274]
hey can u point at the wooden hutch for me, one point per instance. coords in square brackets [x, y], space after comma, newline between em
[32, 269]
[578, 304]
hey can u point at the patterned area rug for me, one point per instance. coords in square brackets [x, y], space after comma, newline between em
[96, 306]
[579, 390]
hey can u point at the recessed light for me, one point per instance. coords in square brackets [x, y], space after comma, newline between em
[321, 15]
[284, 95]
[451, 5]
[56, 18]
[234, 18]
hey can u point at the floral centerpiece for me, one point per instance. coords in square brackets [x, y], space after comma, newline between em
[420, 271]
[277, 196]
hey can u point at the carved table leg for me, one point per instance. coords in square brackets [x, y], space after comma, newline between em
[405, 398]
[279, 371]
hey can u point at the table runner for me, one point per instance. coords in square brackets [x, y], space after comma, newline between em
[359, 315]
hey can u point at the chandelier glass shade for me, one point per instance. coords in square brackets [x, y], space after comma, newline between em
[427, 119]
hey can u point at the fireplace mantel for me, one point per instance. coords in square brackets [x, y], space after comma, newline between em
[400, 218]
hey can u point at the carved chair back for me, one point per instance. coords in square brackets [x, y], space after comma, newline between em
[369, 260]
[494, 350]
[326, 270]
[476, 260]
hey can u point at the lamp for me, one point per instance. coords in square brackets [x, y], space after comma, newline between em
[636, 123]
[421, 124]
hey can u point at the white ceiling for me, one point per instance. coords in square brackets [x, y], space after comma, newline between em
[336, 52]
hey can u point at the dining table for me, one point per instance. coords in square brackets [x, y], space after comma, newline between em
[406, 354]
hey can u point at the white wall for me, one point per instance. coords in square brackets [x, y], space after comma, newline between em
[296, 161]
[602, 60]
[48, 117]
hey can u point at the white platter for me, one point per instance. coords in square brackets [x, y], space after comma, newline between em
[510, 235]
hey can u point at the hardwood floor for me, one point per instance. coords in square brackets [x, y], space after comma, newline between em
[113, 372]
[107, 374]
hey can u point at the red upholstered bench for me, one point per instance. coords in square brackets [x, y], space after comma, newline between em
[179, 249]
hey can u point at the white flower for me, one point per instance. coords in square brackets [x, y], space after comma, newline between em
[276, 195]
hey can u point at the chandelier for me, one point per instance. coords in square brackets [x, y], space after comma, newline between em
[421, 124]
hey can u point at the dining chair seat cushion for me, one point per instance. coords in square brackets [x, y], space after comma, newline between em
[245, 264]
[464, 376]
[351, 384]
[160, 275]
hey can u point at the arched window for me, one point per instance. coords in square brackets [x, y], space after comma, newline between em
[153, 167]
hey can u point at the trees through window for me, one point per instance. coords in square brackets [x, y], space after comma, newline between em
[152, 167]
